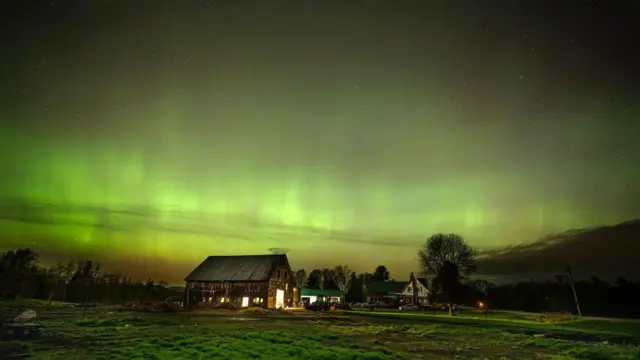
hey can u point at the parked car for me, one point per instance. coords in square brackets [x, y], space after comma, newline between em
[409, 307]
[372, 305]
[341, 307]
[316, 306]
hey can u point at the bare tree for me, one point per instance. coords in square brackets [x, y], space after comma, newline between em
[482, 286]
[66, 274]
[55, 279]
[342, 278]
[449, 259]
[442, 248]
[87, 274]
[324, 275]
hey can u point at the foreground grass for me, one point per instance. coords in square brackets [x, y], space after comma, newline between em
[237, 335]
[592, 330]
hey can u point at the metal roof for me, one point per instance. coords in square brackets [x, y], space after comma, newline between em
[237, 268]
[317, 292]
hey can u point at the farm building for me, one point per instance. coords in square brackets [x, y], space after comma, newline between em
[241, 281]
[397, 292]
[310, 296]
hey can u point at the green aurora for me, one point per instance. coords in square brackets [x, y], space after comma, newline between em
[150, 157]
[106, 198]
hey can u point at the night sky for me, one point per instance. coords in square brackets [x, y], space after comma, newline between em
[149, 135]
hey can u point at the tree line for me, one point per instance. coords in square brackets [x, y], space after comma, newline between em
[22, 276]
[446, 260]
[449, 262]
[596, 297]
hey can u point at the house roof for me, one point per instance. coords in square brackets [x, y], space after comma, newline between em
[423, 282]
[385, 287]
[237, 268]
[317, 292]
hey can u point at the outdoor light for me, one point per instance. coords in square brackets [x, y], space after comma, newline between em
[484, 310]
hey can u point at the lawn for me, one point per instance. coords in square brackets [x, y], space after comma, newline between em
[108, 334]
[623, 332]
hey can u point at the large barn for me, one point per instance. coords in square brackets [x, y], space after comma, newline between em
[241, 281]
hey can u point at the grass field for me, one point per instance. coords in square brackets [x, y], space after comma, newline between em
[613, 331]
[106, 334]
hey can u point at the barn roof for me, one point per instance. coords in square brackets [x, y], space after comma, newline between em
[237, 268]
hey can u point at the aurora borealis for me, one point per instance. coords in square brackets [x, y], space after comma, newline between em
[151, 137]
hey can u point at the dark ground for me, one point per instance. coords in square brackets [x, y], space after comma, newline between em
[109, 334]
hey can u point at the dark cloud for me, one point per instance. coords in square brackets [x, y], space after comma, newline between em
[607, 252]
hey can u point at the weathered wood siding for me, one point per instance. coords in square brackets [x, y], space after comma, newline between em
[202, 292]
[211, 292]
[281, 279]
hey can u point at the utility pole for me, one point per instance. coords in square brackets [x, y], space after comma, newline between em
[575, 295]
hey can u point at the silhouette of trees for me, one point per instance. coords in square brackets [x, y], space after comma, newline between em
[355, 288]
[80, 282]
[442, 248]
[21, 276]
[85, 276]
[314, 279]
[381, 274]
[480, 287]
[65, 274]
[449, 259]
[341, 277]
[325, 278]
[16, 268]
[54, 277]
[321, 279]
[448, 286]
[597, 297]
[300, 278]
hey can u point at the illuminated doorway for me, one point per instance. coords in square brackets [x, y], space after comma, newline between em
[245, 301]
[279, 299]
